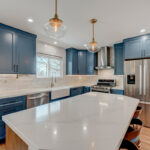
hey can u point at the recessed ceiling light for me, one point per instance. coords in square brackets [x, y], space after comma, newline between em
[142, 30]
[55, 42]
[85, 45]
[30, 20]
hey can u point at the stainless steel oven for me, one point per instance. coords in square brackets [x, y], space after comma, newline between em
[104, 85]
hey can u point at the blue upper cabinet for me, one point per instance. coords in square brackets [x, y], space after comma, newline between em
[82, 62]
[133, 48]
[137, 47]
[17, 51]
[91, 62]
[26, 49]
[119, 59]
[71, 61]
[7, 51]
[146, 46]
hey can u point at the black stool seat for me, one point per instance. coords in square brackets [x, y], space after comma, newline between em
[128, 145]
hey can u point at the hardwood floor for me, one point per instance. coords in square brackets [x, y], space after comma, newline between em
[145, 139]
[2, 147]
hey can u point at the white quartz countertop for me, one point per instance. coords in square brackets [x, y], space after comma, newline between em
[92, 121]
[22, 92]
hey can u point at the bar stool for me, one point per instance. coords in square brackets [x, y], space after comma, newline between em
[137, 112]
[128, 145]
[133, 132]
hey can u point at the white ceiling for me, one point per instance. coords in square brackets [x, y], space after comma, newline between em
[117, 19]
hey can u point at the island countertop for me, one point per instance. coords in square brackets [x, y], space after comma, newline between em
[92, 121]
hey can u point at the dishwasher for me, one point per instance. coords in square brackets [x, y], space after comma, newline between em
[37, 99]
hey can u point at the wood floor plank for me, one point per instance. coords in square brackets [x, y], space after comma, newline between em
[145, 139]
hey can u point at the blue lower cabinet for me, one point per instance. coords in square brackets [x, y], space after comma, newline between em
[58, 99]
[86, 89]
[117, 91]
[50, 97]
[8, 106]
[2, 130]
[76, 91]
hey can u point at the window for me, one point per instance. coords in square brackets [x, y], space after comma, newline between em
[48, 66]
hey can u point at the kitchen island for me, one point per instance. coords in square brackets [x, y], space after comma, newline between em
[94, 121]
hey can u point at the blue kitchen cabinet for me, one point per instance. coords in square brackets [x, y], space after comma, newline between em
[95, 60]
[7, 51]
[76, 91]
[7, 106]
[146, 46]
[86, 89]
[2, 131]
[117, 91]
[118, 59]
[17, 51]
[90, 63]
[137, 47]
[50, 95]
[26, 49]
[71, 61]
[132, 48]
[82, 62]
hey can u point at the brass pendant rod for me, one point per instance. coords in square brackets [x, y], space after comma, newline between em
[56, 15]
[56, 6]
[93, 33]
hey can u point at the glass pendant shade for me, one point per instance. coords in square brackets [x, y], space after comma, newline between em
[55, 28]
[93, 46]
[55, 31]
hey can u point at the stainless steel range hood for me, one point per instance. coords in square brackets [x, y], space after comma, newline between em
[104, 58]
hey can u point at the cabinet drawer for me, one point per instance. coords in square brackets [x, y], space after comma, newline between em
[12, 99]
[2, 130]
[76, 91]
[6, 109]
[86, 89]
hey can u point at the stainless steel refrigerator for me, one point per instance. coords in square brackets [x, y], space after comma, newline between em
[137, 84]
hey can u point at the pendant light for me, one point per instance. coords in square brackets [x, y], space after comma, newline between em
[93, 45]
[55, 27]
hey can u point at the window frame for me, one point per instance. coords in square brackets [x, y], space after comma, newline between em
[51, 57]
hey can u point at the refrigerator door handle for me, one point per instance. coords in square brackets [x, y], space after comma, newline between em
[144, 82]
[140, 89]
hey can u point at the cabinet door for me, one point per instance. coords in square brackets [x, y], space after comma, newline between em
[2, 130]
[90, 63]
[119, 59]
[7, 40]
[133, 49]
[26, 50]
[146, 47]
[76, 91]
[75, 62]
[68, 62]
[71, 61]
[82, 62]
